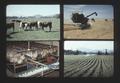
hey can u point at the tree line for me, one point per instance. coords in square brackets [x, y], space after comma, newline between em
[78, 52]
[39, 16]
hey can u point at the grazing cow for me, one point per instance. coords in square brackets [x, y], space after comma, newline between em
[24, 25]
[93, 19]
[21, 24]
[33, 25]
[28, 25]
[46, 24]
[11, 25]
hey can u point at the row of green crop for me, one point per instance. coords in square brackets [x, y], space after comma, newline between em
[91, 66]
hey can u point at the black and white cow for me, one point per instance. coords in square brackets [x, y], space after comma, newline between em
[30, 25]
[34, 25]
[45, 25]
[22, 25]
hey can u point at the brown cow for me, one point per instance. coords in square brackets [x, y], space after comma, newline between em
[45, 25]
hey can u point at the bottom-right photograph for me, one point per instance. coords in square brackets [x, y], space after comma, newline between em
[88, 58]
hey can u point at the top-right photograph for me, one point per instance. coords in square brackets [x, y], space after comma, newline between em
[88, 22]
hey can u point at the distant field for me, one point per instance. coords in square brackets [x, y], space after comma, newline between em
[100, 29]
[35, 35]
[88, 66]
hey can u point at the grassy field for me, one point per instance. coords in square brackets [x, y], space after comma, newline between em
[36, 35]
[100, 29]
[88, 66]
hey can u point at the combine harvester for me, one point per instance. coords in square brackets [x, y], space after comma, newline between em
[81, 20]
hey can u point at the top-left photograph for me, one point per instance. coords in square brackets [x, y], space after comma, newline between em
[32, 22]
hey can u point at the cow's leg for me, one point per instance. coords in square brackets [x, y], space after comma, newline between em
[50, 26]
[42, 27]
[30, 27]
[49, 29]
[34, 27]
[25, 26]
[19, 28]
[37, 27]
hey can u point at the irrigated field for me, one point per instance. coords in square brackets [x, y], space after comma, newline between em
[100, 29]
[36, 34]
[88, 66]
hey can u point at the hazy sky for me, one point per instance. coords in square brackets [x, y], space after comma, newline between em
[30, 10]
[104, 11]
[88, 45]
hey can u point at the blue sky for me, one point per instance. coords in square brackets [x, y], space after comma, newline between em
[89, 45]
[30, 10]
[104, 11]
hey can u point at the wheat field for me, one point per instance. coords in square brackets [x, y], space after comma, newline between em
[100, 29]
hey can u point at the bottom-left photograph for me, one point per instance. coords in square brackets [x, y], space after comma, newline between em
[32, 59]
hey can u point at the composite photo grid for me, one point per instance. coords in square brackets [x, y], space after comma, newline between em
[61, 40]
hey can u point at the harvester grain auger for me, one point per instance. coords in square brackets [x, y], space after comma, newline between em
[80, 18]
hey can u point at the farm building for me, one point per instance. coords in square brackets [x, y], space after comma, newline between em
[32, 59]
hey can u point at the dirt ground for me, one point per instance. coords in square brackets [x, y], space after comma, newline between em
[100, 29]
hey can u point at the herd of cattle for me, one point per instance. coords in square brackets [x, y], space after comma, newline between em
[29, 25]
[36, 25]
